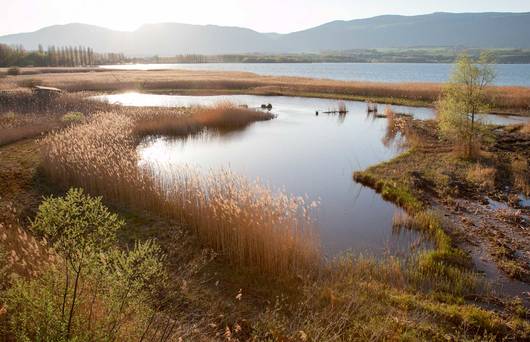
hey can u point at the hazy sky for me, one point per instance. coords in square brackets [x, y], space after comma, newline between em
[263, 15]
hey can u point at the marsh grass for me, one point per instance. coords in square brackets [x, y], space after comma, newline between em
[24, 115]
[24, 254]
[26, 102]
[521, 174]
[483, 176]
[526, 128]
[247, 222]
[73, 117]
[503, 99]
[364, 299]
[223, 116]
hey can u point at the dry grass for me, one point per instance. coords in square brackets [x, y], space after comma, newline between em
[245, 221]
[521, 175]
[25, 102]
[24, 115]
[399, 130]
[526, 128]
[366, 300]
[503, 99]
[483, 176]
[223, 117]
[26, 256]
[352, 299]
[30, 130]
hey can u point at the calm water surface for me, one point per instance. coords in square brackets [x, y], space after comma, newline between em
[304, 154]
[507, 74]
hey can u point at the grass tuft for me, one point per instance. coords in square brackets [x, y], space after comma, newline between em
[247, 222]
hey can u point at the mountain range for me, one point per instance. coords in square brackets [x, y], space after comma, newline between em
[472, 30]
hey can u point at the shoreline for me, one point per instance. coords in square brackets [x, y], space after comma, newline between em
[504, 100]
[431, 296]
[415, 180]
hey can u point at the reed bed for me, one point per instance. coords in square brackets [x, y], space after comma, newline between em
[223, 116]
[502, 99]
[26, 102]
[245, 221]
[25, 115]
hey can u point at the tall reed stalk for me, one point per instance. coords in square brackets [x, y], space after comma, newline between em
[245, 221]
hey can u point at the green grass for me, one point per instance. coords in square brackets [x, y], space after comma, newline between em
[390, 190]
[351, 298]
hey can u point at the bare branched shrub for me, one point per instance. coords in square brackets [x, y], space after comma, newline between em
[399, 129]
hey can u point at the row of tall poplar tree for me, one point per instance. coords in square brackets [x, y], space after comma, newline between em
[66, 56]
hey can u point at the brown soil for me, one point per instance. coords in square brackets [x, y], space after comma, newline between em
[497, 232]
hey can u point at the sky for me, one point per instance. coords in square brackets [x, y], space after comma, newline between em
[263, 16]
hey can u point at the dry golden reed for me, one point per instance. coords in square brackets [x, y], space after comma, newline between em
[483, 176]
[224, 116]
[243, 220]
[501, 98]
[24, 115]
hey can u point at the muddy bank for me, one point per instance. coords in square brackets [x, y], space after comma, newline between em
[483, 202]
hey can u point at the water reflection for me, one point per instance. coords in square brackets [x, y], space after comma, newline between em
[304, 153]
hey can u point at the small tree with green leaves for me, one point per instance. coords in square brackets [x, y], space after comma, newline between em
[79, 228]
[137, 272]
[463, 98]
[98, 292]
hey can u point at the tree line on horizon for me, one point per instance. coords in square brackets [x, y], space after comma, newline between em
[63, 56]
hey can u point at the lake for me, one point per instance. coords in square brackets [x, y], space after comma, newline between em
[507, 74]
[304, 154]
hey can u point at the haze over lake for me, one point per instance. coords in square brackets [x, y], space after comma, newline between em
[507, 74]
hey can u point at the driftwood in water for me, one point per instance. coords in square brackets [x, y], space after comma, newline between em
[335, 112]
[341, 109]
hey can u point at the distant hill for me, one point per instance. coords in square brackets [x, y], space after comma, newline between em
[473, 30]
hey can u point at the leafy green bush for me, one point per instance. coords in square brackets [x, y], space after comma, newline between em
[96, 292]
[13, 71]
[73, 117]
